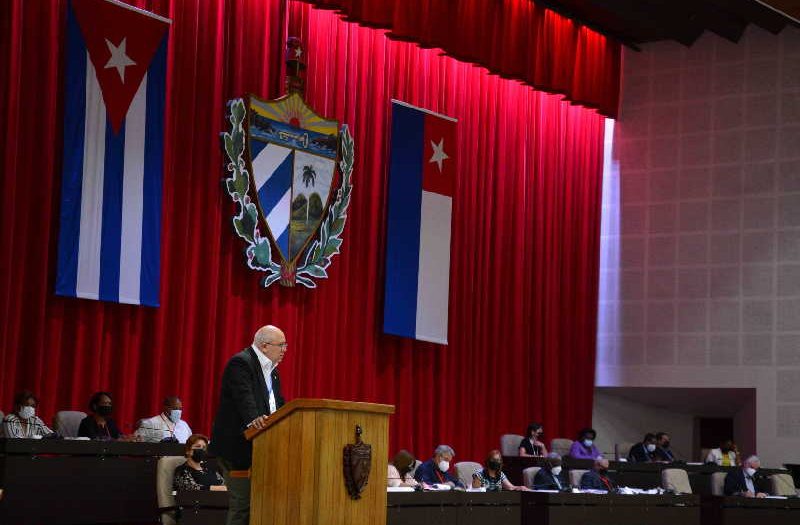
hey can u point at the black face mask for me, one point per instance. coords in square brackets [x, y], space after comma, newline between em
[494, 464]
[104, 410]
[199, 454]
[665, 444]
[602, 471]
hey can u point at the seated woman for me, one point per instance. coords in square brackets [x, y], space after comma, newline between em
[98, 424]
[400, 469]
[491, 476]
[194, 474]
[23, 421]
[726, 455]
[583, 447]
[531, 445]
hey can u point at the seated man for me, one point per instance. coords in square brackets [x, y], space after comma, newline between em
[597, 478]
[549, 476]
[643, 452]
[435, 470]
[168, 424]
[663, 452]
[745, 481]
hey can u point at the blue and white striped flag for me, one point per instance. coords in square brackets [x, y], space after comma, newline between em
[110, 238]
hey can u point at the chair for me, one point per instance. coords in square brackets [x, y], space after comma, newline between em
[464, 471]
[2, 416]
[704, 454]
[67, 422]
[676, 479]
[718, 483]
[509, 444]
[560, 446]
[528, 476]
[621, 450]
[783, 485]
[413, 471]
[165, 473]
[575, 476]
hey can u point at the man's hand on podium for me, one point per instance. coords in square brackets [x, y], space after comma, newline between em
[259, 422]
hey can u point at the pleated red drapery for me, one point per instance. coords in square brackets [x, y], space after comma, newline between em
[524, 251]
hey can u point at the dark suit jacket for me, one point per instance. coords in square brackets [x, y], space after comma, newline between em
[735, 483]
[639, 454]
[592, 480]
[545, 480]
[426, 472]
[664, 454]
[243, 398]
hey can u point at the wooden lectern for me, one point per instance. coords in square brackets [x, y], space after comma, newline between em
[297, 476]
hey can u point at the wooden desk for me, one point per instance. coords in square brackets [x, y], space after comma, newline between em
[732, 510]
[79, 482]
[202, 507]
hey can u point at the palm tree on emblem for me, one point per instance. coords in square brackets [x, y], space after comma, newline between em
[309, 177]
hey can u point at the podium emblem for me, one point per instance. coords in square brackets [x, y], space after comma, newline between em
[357, 462]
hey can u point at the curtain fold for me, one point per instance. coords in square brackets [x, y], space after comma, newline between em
[516, 39]
[525, 246]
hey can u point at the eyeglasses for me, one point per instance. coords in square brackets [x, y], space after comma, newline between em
[282, 346]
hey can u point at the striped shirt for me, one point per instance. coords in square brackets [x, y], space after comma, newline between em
[489, 482]
[13, 427]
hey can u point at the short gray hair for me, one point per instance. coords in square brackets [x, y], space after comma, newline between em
[752, 459]
[264, 335]
[444, 449]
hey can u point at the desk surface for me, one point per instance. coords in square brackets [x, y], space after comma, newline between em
[71, 447]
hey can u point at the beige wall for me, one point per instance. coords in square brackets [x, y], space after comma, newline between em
[700, 256]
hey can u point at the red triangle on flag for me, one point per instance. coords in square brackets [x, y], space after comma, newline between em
[121, 42]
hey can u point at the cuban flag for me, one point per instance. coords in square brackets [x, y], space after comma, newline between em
[110, 237]
[422, 169]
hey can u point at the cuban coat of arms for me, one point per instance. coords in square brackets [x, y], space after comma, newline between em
[290, 179]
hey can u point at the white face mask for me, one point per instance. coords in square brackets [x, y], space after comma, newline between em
[556, 470]
[651, 447]
[750, 471]
[588, 442]
[27, 412]
[175, 415]
[444, 465]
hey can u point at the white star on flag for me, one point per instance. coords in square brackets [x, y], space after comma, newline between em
[438, 153]
[119, 59]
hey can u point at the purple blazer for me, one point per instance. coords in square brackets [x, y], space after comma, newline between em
[579, 451]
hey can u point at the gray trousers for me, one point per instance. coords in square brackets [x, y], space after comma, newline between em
[239, 494]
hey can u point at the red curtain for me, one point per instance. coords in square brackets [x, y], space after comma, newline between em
[524, 253]
[515, 39]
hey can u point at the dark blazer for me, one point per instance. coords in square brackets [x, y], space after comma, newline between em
[664, 454]
[546, 480]
[592, 480]
[735, 483]
[89, 428]
[426, 473]
[639, 454]
[243, 397]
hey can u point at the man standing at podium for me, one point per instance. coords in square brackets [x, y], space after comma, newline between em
[251, 391]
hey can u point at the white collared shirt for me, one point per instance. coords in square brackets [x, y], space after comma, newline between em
[266, 368]
[159, 427]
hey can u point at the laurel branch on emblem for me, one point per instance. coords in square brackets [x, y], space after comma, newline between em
[245, 222]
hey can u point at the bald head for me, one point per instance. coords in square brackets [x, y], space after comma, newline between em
[271, 341]
[601, 464]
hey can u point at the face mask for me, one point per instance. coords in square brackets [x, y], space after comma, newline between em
[494, 464]
[588, 442]
[602, 471]
[444, 465]
[556, 470]
[651, 447]
[175, 415]
[198, 454]
[27, 412]
[750, 471]
[104, 410]
[665, 444]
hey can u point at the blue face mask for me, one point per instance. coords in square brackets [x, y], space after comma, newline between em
[175, 415]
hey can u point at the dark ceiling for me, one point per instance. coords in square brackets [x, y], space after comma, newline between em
[635, 22]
